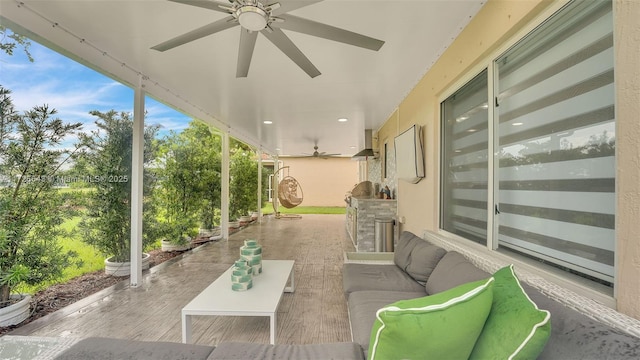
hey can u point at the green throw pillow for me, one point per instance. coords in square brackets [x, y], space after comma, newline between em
[441, 326]
[516, 328]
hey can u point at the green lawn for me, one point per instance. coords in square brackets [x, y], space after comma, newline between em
[91, 259]
[305, 210]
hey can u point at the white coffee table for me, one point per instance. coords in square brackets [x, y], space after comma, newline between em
[261, 300]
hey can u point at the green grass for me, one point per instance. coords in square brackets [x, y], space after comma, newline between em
[92, 260]
[306, 210]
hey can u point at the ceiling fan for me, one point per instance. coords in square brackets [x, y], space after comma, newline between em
[320, 155]
[268, 18]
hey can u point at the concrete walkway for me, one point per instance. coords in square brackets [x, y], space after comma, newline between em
[316, 312]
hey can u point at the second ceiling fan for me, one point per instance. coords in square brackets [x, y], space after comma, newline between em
[268, 18]
[320, 155]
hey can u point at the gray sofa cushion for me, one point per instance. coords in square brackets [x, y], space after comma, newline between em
[358, 277]
[402, 252]
[424, 258]
[576, 336]
[96, 348]
[363, 306]
[453, 270]
[244, 351]
[416, 256]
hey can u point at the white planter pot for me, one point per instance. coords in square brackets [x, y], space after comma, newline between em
[124, 269]
[202, 232]
[16, 313]
[234, 224]
[168, 246]
[244, 219]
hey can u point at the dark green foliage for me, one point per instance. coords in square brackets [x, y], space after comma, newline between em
[107, 222]
[189, 180]
[243, 183]
[30, 159]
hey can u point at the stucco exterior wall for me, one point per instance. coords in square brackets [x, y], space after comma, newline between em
[627, 78]
[499, 23]
[323, 182]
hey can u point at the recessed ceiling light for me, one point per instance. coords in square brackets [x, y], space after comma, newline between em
[472, 130]
[268, 122]
[352, 147]
[342, 120]
[517, 124]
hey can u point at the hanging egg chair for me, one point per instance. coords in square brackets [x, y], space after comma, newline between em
[289, 192]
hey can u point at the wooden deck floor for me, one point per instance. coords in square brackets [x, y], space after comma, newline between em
[316, 312]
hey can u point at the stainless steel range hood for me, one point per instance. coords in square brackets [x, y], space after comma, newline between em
[367, 152]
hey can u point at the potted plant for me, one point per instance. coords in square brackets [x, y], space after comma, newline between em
[30, 207]
[243, 185]
[189, 181]
[209, 217]
[107, 221]
[178, 233]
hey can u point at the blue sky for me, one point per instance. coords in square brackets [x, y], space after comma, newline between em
[74, 90]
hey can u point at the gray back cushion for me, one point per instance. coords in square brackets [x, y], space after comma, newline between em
[424, 258]
[416, 256]
[453, 270]
[402, 253]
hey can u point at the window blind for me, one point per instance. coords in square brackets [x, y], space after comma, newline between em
[556, 141]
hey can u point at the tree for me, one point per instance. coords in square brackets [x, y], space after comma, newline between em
[209, 162]
[243, 183]
[189, 180]
[107, 223]
[9, 41]
[31, 156]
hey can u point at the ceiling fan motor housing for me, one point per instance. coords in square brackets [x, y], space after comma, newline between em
[252, 17]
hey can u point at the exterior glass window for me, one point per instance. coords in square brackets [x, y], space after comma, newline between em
[465, 161]
[556, 126]
[552, 136]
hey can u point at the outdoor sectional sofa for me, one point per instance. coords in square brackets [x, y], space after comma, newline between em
[421, 268]
[420, 272]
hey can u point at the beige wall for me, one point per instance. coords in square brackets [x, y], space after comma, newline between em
[627, 77]
[324, 182]
[499, 23]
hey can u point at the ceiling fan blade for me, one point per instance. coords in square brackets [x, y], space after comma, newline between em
[290, 5]
[211, 5]
[214, 27]
[329, 32]
[279, 39]
[245, 51]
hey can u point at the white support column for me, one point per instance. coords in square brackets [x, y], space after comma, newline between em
[224, 207]
[137, 168]
[259, 186]
[276, 182]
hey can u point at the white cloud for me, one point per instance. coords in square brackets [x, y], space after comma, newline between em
[74, 90]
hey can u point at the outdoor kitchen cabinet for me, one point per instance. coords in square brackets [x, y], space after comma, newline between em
[360, 220]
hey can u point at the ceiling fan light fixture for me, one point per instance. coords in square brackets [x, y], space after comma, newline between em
[252, 17]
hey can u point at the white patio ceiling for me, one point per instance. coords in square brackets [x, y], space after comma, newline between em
[198, 78]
